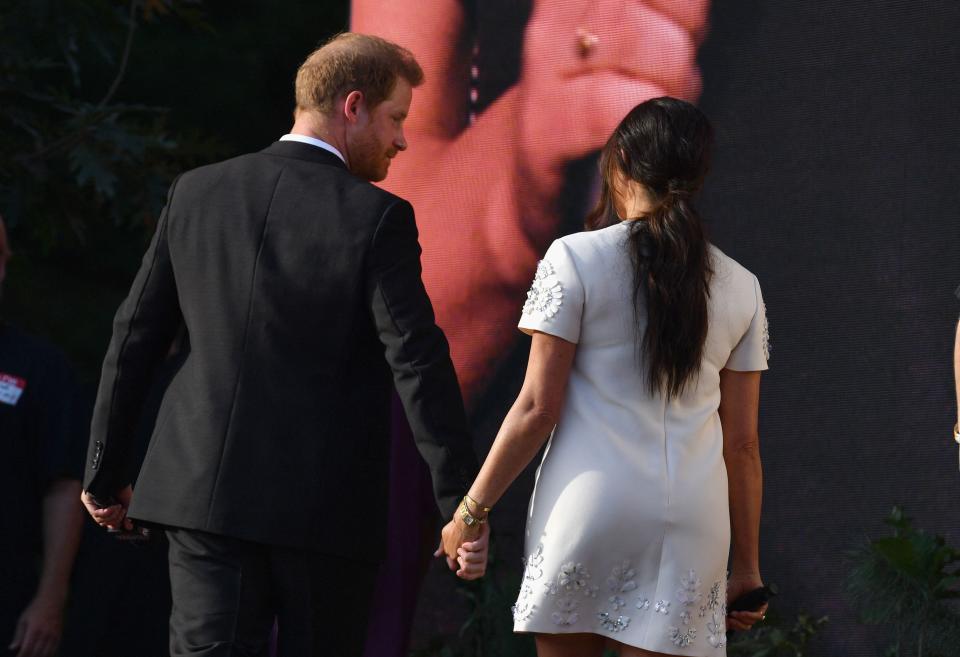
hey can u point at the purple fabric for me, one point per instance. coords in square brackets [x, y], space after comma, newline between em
[411, 530]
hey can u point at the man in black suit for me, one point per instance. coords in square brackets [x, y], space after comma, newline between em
[299, 285]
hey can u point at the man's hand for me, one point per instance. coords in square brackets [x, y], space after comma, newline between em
[111, 517]
[39, 628]
[737, 585]
[465, 548]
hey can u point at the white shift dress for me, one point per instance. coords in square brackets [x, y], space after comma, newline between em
[628, 529]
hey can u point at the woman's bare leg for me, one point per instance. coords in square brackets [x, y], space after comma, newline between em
[630, 651]
[587, 645]
[570, 645]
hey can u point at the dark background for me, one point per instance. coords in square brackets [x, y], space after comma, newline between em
[834, 180]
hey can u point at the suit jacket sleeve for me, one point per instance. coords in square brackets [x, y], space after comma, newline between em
[419, 356]
[143, 330]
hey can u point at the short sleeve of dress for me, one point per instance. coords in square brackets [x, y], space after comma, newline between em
[753, 351]
[555, 301]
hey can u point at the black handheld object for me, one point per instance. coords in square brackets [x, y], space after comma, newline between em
[752, 601]
[136, 534]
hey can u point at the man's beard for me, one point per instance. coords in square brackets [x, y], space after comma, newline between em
[365, 158]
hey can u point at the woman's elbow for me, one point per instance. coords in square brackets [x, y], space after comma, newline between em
[540, 417]
[741, 447]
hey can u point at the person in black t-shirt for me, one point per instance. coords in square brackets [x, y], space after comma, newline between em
[42, 445]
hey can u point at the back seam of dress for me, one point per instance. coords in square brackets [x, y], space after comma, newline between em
[666, 454]
[664, 522]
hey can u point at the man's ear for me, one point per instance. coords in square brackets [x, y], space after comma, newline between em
[353, 106]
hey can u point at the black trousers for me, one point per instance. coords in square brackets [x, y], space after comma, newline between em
[227, 593]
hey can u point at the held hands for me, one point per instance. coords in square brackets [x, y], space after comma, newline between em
[114, 516]
[737, 585]
[465, 548]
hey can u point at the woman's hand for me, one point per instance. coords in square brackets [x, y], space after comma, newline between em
[465, 548]
[472, 556]
[738, 585]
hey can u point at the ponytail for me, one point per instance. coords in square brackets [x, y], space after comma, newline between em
[671, 275]
[668, 245]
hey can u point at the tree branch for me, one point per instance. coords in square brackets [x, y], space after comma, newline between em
[121, 72]
[125, 58]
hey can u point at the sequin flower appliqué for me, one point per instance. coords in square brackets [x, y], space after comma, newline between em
[546, 294]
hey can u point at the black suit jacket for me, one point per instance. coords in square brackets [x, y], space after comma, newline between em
[299, 285]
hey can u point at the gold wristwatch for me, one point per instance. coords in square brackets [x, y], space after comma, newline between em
[468, 518]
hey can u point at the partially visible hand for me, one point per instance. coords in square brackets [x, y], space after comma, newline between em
[39, 628]
[111, 517]
[453, 536]
[472, 556]
[737, 585]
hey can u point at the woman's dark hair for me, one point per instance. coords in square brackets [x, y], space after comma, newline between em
[664, 144]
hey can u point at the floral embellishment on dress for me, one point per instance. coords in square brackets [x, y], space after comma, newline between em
[689, 591]
[717, 630]
[662, 607]
[643, 604]
[620, 581]
[524, 608]
[567, 610]
[766, 332]
[685, 617]
[546, 293]
[713, 597]
[612, 624]
[573, 577]
[680, 638]
[533, 569]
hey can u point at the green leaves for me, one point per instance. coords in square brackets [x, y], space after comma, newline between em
[73, 159]
[772, 638]
[89, 169]
[908, 582]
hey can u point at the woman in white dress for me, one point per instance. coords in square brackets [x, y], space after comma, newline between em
[645, 363]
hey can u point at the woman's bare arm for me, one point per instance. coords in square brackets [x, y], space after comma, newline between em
[956, 369]
[530, 420]
[739, 408]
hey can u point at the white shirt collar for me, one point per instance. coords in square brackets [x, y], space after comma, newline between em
[313, 141]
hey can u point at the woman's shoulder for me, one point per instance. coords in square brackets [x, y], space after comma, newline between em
[729, 275]
[589, 244]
